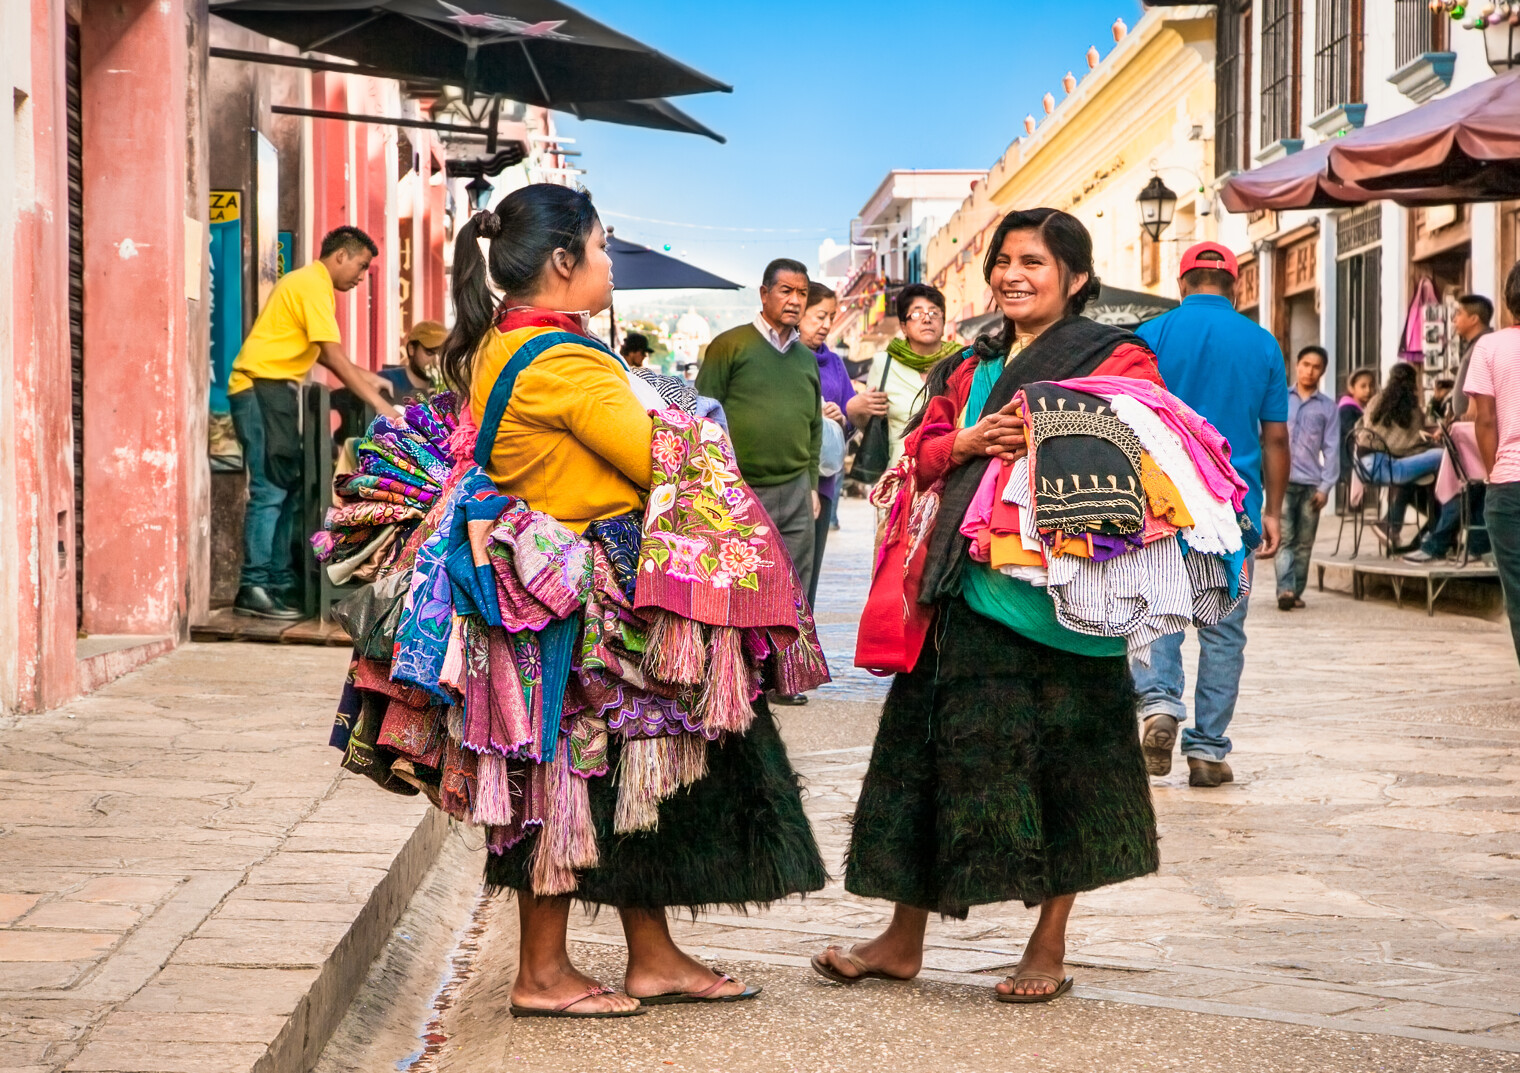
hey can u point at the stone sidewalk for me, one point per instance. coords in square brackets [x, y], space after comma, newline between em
[188, 882]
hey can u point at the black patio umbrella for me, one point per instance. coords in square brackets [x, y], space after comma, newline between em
[539, 52]
[638, 268]
[655, 114]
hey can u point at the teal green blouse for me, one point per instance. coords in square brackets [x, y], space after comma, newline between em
[1025, 609]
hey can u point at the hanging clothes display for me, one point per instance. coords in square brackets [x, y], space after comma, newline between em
[384, 486]
[1126, 511]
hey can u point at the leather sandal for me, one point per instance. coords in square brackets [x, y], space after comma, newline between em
[828, 972]
[1062, 986]
[564, 1010]
[681, 998]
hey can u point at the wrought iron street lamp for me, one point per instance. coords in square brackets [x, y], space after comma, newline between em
[480, 193]
[1157, 203]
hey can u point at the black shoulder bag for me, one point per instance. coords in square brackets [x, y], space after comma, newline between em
[875, 442]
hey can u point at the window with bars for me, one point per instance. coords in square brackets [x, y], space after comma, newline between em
[1233, 92]
[1416, 30]
[1337, 54]
[1281, 25]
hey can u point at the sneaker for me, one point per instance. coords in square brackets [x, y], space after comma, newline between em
[255, 600]
[1285, 601]
[1298, 601]
[1419, 555]
[1208, 773]
[1156, 743]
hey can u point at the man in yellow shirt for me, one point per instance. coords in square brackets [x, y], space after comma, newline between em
[294, 331]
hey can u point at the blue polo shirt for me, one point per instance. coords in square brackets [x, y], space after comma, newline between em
[1228, 368]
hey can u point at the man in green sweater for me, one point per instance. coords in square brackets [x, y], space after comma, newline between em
[767, 381]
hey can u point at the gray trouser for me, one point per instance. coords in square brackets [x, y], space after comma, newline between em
[790, 506]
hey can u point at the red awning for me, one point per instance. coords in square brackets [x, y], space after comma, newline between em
[1471, 139]
[1465, 147]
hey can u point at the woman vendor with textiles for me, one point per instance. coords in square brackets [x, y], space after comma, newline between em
[575, 442]
[1006, 764]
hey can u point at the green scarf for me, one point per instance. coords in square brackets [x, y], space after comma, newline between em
[899, 350]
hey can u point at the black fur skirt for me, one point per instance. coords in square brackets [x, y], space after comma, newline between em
[1003, 769]
[737, 837]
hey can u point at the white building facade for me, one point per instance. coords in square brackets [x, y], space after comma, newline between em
[1294, 73]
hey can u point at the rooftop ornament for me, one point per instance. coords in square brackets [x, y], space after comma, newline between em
[1499, 22]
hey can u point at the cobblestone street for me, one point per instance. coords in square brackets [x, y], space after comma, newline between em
[1348, 903]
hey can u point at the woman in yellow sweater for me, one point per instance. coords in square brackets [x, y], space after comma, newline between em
[573, 441]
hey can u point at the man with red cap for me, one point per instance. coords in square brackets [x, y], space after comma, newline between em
[1230, 369]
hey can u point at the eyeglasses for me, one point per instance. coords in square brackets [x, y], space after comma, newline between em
[928, 316]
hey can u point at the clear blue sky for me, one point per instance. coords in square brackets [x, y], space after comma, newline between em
[827, 98]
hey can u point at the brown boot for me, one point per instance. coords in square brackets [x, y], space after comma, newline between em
[1208, 773]
[1156, 743]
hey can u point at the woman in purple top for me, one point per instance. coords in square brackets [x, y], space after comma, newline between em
[841, 404]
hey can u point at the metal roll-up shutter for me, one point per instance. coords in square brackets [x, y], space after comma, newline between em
[76, 298]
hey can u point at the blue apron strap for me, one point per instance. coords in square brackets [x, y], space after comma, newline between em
[501, 391]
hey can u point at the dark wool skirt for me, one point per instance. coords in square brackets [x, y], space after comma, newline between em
[1003, 769]
[737, 837]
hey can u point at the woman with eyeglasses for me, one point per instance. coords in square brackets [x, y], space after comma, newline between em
[907, 361]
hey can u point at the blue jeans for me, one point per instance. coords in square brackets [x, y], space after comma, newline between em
[270, 518]
[1222, 656]
[1444, 535]
[1300, 524]
[1402, 473]
[1503, 510]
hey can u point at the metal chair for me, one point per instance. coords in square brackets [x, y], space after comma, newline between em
[1354, 504]
[1364, 444]
[1464, 497]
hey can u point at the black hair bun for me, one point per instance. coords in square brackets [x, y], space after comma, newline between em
[488, 224]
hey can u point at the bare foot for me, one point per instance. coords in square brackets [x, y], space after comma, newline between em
[1042, 969]
[879, 955]
[553, 992]
[675, 972]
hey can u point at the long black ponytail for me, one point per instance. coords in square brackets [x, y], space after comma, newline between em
[524, 230]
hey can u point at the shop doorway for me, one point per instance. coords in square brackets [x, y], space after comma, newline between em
[1301, 318]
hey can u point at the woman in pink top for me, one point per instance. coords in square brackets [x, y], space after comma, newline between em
[1493, 391]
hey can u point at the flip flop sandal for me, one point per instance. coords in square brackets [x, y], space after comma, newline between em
[564, 1010]
[682, 998]
[828, 972]
[1062, 987]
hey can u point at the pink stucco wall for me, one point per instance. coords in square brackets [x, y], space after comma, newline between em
[135, 67]
[44, 611]
[146, 504]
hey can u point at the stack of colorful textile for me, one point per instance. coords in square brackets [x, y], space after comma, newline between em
[529, 658]
[387, 482]
[1126, 510]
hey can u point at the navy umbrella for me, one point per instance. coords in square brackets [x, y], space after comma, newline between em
[638, 268]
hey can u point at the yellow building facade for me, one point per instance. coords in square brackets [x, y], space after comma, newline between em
[1147, 107]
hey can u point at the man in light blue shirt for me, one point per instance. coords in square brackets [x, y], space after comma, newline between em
[1314, 450]
[1229, 369]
